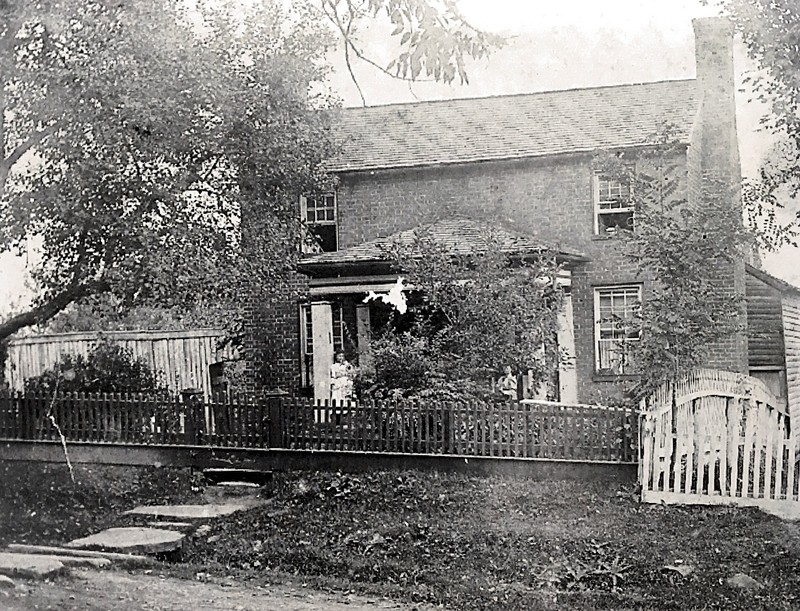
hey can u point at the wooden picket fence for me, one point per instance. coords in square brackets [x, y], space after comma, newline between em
[718, 438]
[527, 429]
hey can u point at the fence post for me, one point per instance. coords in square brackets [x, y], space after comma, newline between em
[275, 421]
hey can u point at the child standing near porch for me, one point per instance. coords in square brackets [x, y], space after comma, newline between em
[507, 385]
[341, 379]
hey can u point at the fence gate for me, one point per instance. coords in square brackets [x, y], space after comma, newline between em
[718, 438]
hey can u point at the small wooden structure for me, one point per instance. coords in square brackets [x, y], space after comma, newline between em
[718, 438]
[183, 357]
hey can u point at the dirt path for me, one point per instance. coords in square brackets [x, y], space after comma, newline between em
[104, 590]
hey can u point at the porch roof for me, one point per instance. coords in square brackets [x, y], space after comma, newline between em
[458, 236]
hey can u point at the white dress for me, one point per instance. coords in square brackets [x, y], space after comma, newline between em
[341, 382]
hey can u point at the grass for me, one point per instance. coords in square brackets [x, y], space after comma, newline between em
[496, 543]
[39, 504]
[464, 542]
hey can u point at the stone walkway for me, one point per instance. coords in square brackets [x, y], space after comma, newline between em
[120, 544]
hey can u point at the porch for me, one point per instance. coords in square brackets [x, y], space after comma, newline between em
[351, 292]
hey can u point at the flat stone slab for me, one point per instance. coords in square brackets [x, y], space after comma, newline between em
[132, 540]
[184, 527]
[46, 550]
[193, 512]
[218, 475]
[31, 566]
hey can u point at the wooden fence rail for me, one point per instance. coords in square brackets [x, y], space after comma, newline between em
[528, 429]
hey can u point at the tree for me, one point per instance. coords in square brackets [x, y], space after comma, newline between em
[770, 30]
[469, 315]
[687, 254]
[434, 40]
[137, 135]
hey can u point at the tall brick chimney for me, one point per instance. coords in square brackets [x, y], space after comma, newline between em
[715, 80]
[714, 162]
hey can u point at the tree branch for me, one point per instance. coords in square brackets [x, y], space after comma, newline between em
[15, 155]
[46, 311]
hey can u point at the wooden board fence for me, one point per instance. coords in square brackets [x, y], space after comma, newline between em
[530, 429]
[182, 356]
[717, 438]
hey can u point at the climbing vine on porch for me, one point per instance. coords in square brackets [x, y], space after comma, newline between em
[469, 316]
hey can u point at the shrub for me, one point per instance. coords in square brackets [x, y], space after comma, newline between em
[107, 368]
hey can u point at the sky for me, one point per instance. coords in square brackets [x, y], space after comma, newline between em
[551, 45]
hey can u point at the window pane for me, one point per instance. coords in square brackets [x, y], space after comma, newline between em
[616, 328]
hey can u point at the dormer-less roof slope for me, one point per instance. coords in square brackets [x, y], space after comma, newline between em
[512, 127]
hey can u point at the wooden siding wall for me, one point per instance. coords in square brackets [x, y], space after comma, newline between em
[791, 333]
[182, 356]
[765, 344]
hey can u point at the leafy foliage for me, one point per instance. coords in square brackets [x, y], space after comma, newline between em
[107, 368]
[687, 253]
[769, 29]
[137, 135]
[474, 313]
[434, 40]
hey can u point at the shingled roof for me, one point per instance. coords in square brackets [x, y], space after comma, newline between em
[458, 236]
[512, 127]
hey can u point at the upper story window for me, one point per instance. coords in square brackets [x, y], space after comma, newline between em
[616, 320]
[613, 207]
[320, 214]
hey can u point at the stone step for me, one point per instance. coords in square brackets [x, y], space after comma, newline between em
[132, 539]
[184, 527]
[46, 550]
[30, 566]
[231, 492]
[195, 512]
[218, 475]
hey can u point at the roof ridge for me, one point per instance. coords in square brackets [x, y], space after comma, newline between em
[515, 95]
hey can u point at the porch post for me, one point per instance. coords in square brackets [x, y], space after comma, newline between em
[322, 338]
[567, 372]
[363, 333]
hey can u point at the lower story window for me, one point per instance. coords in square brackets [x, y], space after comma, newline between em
[617, 328]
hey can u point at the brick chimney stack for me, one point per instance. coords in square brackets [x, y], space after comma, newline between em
[718, 171]
[715, 80]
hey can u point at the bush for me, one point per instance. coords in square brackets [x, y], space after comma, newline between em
[107, 368]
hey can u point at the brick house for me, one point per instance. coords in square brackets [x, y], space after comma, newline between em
[525, 159]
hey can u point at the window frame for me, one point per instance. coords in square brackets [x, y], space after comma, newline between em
[597, 202]
[304, 199]
[598, 321]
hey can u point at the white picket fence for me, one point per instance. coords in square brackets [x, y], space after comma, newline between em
[718, 438]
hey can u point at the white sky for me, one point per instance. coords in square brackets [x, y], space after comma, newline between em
[553, 45]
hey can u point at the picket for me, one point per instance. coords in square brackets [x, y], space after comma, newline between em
[727, 441]
[508, 429]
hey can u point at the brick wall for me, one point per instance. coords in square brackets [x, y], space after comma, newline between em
[551, 199]
[272, 336]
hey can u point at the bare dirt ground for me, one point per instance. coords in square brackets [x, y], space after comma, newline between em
[104, 590]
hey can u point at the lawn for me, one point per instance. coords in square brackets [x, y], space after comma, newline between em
[499, 543]
[464, 542]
